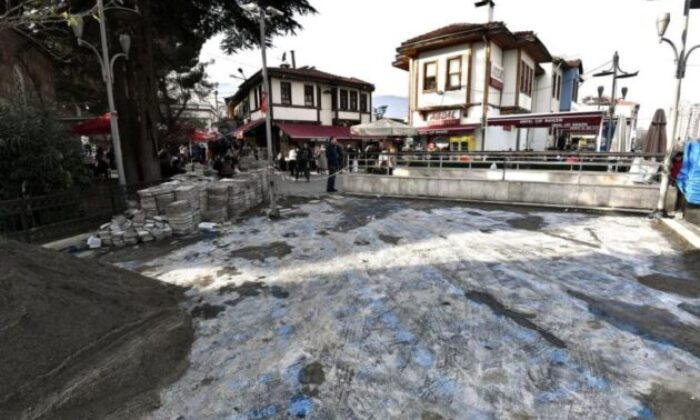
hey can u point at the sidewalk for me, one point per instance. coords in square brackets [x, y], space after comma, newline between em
[685, 230]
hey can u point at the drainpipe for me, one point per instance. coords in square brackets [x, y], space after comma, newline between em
[487, 76]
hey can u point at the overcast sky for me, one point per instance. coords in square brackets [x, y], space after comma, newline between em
[359, 38]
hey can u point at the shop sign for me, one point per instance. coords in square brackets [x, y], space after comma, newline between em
[444, 118]
[496, 76]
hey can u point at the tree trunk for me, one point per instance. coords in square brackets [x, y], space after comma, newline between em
[135, 91]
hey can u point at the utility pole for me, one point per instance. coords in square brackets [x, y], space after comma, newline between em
[262, 15]
[617, 73]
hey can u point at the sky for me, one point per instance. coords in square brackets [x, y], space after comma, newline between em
[359, 38]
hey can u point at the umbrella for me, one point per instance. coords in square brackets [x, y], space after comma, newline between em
[384, 128]
[94, 126]
[619, 142]
[655, 141]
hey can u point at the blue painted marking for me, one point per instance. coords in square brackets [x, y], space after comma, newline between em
[596, 383]
[645, 413]
[390, 320]
[558, 357]
[285, 330]
[300, 406]
[446, 387]
[262, 413]
[291, 375]
[423, 357]
[404, 336]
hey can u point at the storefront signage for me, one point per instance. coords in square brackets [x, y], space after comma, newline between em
[443, 118]
[496, 76]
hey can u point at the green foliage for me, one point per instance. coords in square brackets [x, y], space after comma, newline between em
[37, 155]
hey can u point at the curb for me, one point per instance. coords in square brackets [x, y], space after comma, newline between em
[75, 242]
[686, 231]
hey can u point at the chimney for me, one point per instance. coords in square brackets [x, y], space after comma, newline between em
[491, 5]
[294, 59]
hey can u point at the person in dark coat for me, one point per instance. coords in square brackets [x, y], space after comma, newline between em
[303, 162]
[333, 158]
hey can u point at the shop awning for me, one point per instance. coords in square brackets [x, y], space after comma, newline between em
[200, 136]
[312, 132]
[457, 129]
[92, 127]
[241, 131]
[571, 121]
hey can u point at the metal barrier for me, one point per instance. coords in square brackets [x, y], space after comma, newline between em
[48, 217]
[595, 163]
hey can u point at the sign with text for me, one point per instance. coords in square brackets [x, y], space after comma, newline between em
[443, 118]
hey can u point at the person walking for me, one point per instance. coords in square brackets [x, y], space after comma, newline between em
[322, 160]
[292, 161]
[333, 159]
[303, 161]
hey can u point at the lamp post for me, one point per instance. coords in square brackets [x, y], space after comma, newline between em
[262, 14]
[617, 73]
[681, 58]
[107, 66]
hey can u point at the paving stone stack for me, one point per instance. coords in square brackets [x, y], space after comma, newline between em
[217, 201]
[180, 217]
[164, 194]
[133, 227]
[237, 196]
[190, 193]
[147, 200]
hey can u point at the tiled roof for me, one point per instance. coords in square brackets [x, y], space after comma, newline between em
[313, 72]
[452, 29]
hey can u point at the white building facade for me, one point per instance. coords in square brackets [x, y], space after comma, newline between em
[304, 104]
[469, 82]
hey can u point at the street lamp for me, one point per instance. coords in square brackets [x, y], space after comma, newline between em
[617, 73]
[601, 89]
[262, 14]
[681, 59]
[107, 66]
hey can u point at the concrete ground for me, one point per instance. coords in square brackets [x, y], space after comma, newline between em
[377, 308]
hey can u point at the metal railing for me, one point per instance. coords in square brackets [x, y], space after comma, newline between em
[555, 162]
[49, 217]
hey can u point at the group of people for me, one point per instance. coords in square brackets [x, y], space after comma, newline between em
[99, 161]
[325, 159]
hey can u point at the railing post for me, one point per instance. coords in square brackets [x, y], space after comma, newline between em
[504, 168]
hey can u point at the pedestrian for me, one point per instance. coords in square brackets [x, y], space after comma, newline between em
[292, 161]
[322, 160]
[303, 158]
[333, 158]
[282, 161]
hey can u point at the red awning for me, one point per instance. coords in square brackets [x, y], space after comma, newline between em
[310, 132]
[201, 136]
[567, 120]
[469, 128]
[94, 126]
[241, 131]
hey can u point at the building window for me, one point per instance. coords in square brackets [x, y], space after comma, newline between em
[527, 75]
[353, 100]
[286, 93]
[256, 99]
[430, 76]
[363, 102]
[556, 86]
[343, 100]
[309, 95]
[454, 73]
[574, 95]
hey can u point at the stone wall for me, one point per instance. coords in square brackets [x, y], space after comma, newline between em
[639, 198]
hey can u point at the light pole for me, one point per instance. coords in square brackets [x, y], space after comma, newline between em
[617, 73]
[107, 66]
[262, 14]
[681, 64]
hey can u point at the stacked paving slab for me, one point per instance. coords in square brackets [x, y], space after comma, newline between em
[178, 207]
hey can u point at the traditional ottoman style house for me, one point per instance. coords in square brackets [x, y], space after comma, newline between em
[305, 104]
[484, 87]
